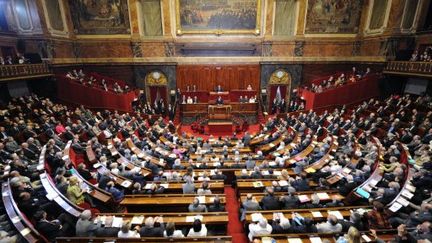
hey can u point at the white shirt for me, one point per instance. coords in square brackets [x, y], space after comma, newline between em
[255, 229]
[202, 233]
[130, 234]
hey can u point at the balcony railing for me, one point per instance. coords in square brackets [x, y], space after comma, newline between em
[407, 67]
[9, 72]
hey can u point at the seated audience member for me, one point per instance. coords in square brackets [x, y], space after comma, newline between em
[75, 194]
[270, 201]
[330, 226]
[126, 232]
[216, 206]
[259, 228]
[204, 190]
[249, 87]
[170, 231]
[280, 225]
[250, 204]
[116, 193]
[189, 100]
[198, 229]
[188, 187]
[195, 206]
[353, 235]
[52, 229]
[377, 218]
[85, 226]
[153, 227]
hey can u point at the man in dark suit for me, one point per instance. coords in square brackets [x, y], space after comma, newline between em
[348, 186]
[246, 139]
[219, 101]
[152, 227]
[216, 206]
[52, 229]
[269, 201]
[219, 88]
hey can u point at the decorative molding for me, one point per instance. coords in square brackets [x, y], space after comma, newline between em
[380, 30]
[388, 47]
[280, 76]
[356, 48]
[54, 32]
[170, 49]
[414, 23]
[220, 60]
[156, 78]
[298, 49]
[267, 49]
[76, 49]
[136, 49]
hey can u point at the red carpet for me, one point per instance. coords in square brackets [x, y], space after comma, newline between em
[235, 227]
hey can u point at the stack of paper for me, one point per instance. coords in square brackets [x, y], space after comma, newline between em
[410, 188]
[366, 238]
[283, 183]
[315, 239]
[137, 220]
[317, 214]
[304, 198]
[294, 240]
[148, 186]
[202, 199]
[336, 213]
[117, 222]
[256, 217]
[395, 207]
[323, 196]
[403, 201]
[126, 184]
[164, 185]
[407, 194]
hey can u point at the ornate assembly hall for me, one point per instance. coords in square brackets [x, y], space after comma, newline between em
[245, 121]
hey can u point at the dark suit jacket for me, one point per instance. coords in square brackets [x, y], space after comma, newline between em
[49, 230]
[270, 203]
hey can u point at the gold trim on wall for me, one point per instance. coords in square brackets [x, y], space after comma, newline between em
[280, 76]
[180, 31]
[156, 78]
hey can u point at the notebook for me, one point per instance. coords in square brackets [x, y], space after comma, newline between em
[362, 192]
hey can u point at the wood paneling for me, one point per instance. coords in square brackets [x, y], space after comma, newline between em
[207, 77]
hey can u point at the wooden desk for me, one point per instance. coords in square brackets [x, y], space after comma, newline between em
[213, 218]
[219, 112]
[332, 194]
[143, 155]
[207, 239]
[306, 213]
[95, 191]
[247, 185]
[169, 202]
[216, 186]
[122, 160]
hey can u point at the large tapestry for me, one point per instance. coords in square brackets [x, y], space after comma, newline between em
[218, 16]
[100, 16]
[333, 16]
